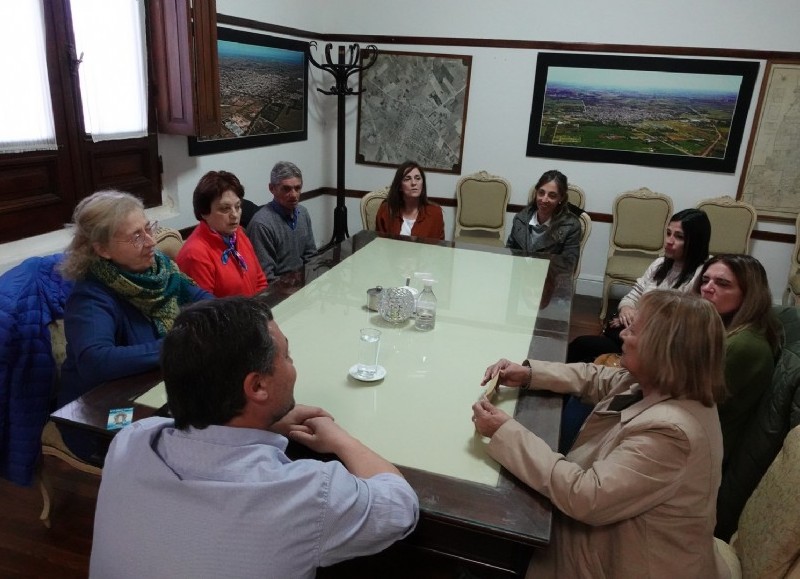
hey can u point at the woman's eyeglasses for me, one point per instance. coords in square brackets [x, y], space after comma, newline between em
[137, 239]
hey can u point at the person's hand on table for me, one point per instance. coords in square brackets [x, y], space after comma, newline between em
[488, 417]
[296, 417]
[320, 434]
[511, 374]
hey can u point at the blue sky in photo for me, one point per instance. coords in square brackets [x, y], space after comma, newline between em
[230, 49]
[642, 80]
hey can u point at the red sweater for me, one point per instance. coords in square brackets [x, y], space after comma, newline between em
[429, 223]
[200, 258]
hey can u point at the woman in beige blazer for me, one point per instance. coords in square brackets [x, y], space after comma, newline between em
[636, 493]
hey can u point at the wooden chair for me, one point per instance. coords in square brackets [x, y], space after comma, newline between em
[791, 295]
[586, 230]
[169, 241]
[481, 209]
[767, 540]
[52, 443]
[637, 237]
[369, 207]
[732, 224]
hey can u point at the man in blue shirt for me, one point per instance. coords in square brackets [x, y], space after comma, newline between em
[281, 231]
[211, 493]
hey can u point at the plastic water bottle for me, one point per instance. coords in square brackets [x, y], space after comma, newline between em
[426, 308]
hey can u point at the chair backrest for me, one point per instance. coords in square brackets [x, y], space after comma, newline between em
[732, 223]
[768, 536]
[791, 294]
[248, 210]
[369, 207]
[169, 241]
[795, 265]
[586, 230]
[640, 219]
[481, 203]
[575, 195]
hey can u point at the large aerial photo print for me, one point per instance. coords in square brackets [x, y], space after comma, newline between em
[654, 111]
[639, 111]
[263, 88]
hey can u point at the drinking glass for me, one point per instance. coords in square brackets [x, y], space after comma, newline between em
[369, 346]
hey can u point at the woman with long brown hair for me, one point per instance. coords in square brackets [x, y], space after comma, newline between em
[407, 210]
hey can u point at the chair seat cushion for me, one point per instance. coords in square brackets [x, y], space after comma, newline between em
[768, 537]
[628, 267]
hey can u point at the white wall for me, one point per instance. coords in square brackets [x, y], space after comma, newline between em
[502, 86]
[499, 102]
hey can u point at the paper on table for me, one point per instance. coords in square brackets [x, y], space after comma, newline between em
[491, 386]
[156, 397]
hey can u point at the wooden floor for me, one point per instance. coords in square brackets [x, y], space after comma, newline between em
[28, 549]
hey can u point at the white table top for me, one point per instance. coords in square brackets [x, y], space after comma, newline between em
[419, 415]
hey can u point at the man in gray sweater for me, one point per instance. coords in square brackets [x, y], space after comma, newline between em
[281, 230]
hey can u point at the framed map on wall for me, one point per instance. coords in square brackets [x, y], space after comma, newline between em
[413, 106]
[771, 177]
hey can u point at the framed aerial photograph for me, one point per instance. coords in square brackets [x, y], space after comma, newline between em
[413, 106]
[680, 113]
[263, 83]
[771, 169]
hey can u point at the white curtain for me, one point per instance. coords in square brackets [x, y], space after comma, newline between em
[110, 40]
[26, 111]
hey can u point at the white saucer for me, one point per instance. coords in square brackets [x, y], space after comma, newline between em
[380, 374]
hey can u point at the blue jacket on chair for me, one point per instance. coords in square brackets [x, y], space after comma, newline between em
[32, 295]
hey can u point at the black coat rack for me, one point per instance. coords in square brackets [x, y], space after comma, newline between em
[342, 70]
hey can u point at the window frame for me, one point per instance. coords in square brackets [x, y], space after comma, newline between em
[39, 189]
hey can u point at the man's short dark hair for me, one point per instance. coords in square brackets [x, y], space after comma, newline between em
[211, 348]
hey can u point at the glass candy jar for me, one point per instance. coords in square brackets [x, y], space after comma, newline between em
[397, 304]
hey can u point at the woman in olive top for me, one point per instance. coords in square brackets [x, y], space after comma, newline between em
[737, 287]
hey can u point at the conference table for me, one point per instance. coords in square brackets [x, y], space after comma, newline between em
[492, 303]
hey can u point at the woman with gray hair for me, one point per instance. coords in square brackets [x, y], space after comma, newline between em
[126, 296]
[636, 493]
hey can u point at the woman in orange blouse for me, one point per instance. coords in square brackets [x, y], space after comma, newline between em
[407, 210]
[217, 255]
